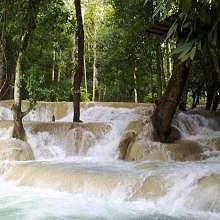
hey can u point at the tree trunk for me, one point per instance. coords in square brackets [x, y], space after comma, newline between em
[94, 67]
[164, 83]
[215, 101]
[135, 85]
[80, 62]
[166, 108]
[59, 67]
[216, 79]
[85, 76]
[54, 63]
[18, 129]
[194, 100]
[2, 72]
[210, 96]
[183, 100]
[151, 83]
[159, 71]
[84, 58]
[168, 60]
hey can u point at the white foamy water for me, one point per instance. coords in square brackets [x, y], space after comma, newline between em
[196, 125]
[76, 174]
[5, 113]
[118, 119]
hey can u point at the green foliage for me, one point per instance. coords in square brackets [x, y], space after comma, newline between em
[52, 35]
[197, 23]
[125, 49]
[84, 96]
[116, 31]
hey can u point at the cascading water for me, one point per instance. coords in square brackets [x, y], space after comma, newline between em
[76, 173]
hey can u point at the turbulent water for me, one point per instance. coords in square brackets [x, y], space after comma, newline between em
[76, 173]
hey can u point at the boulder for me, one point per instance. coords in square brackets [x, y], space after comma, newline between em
[136, 126]
[136, 151]
[14, 149]
[140, 150]
[205, 194]
[184, 150]
[127, 139]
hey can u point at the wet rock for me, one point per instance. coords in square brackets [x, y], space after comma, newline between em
[205, 195]
[213, 143]
[14, 149]
[126, 140]
[137, 151]
[181, 150]
[136, 126]
[151, 187]
[205, 113]
[140, 150]
[184, 150]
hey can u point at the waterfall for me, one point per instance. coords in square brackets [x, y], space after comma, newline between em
[76, 173]
[195, 124]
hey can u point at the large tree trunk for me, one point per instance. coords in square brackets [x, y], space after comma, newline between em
[183, 100]
[80, 62]
[216, 79]
[18, 129]
[216, 101]
[166, 108]
[210, 95]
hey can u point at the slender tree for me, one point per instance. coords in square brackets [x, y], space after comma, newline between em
[80, 62]
[94, 78]
[30, 15]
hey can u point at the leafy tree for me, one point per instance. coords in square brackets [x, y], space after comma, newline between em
[193, 33]
[48, 61]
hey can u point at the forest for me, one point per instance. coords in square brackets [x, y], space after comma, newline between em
[109, 109]
[164, 51]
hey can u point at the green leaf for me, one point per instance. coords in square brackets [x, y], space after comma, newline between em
[172, 29]
[192, 53]
[213, 34]
[161, 5]
[186, 4]
[188, 53]
[183, 48]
